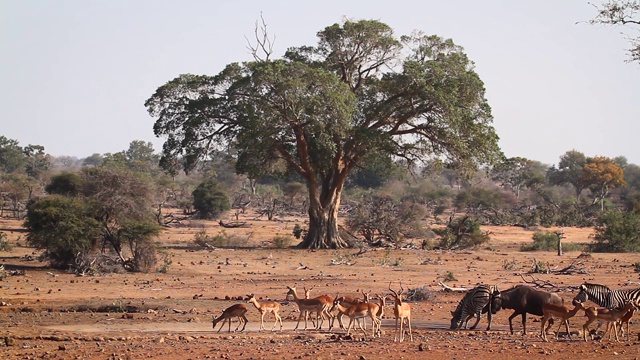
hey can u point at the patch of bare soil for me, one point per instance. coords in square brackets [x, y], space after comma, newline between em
[50, 314]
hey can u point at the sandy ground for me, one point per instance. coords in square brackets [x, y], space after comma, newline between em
[49, 314]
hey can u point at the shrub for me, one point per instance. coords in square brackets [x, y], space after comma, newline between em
[461, 233]
[221, 240]
[4, 243]
[209, 200]
[299, 231]
[282, 242]
[449, 276]
[617, 231]
[63, 227]
[66, 184]
[548, 241]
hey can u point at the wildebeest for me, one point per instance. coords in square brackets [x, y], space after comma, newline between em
[524, 299]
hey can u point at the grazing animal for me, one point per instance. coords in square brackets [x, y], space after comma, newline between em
[476, 301]
[237, 310]
[605, 297]
[550, 311]
[611, 316]
[524, 300]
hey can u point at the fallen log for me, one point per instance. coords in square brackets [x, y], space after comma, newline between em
[452, 289]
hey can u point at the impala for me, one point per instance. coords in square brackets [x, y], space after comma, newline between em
[401, 311]
[327, 300]
[237, 310]
[266, 307]
[550, 310]
[306, 305]
[611, 316]
[359, 311]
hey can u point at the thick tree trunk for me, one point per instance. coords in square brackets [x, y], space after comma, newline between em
[323, 227]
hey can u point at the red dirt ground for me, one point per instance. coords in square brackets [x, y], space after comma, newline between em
[49, 314]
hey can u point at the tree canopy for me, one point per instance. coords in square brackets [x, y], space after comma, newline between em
[322, 109]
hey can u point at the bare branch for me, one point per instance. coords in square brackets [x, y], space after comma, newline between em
[263, 45]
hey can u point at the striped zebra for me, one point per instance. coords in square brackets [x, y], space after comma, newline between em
[605, 297]
[474, 303]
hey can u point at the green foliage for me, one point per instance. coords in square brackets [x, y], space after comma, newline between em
[298, 231]
[282, 242]
[221, 240]
[478, 198]
[12, 157]
[617, 231]
[138, 236]
[449, 276]
[63, 227]
[66, 184]
[359, 91]
[461, 233]
[569, 171]
[548, 241]
[210, 200]
[166, 261]
[4, 243]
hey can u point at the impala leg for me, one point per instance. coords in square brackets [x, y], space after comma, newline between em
[542, 324]
[585, 329]
[244, 318]
[261, 322]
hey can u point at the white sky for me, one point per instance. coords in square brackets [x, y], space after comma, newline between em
[74, 74]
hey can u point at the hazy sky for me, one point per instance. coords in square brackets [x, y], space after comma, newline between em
[74, 74]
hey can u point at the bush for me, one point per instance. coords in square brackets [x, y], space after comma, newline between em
[299, 232]
[4, 243]
[66, 184]
[144, 256]
[221, 240]
[282, 242]
[617, 231]
[548, 241]
[461, 233]
[209, 200]
[63, 227]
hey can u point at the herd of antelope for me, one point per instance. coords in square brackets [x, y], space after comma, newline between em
[617, 308]
[329, 308]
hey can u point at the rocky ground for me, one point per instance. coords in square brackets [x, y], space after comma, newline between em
[51, 314]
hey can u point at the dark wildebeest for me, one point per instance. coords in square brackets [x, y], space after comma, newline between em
[524, 299]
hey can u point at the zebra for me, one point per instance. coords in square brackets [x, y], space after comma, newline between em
[475, 302]
[605, 297]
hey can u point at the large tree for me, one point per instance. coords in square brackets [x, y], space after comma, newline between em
[602, 175]
[569, 171]
[322, 109]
